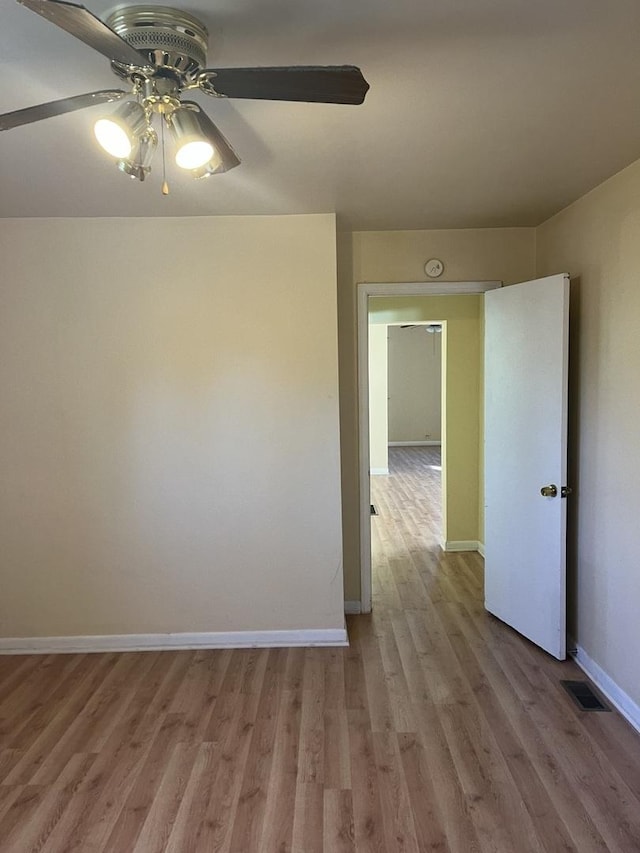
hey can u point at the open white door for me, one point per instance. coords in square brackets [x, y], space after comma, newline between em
[526, 361]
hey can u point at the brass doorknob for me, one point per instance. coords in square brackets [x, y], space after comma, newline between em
[549, 491]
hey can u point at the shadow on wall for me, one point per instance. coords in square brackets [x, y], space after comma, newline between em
[573, 468]
[348, 396]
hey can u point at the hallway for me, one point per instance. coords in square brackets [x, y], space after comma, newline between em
[409, 522]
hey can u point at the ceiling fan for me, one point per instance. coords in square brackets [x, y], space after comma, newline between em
[160, 53]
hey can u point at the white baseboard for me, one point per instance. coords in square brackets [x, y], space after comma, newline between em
[481, 548]
[415, 443]
[165, 642]
[629, 709]
[463, 545]
[352, 608]
[378, 471]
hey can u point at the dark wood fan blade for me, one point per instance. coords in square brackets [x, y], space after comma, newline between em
[82, 24]
[56, 108]
[228, 156]
[331, 84]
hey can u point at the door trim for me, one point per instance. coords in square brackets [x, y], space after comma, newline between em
[364, 291]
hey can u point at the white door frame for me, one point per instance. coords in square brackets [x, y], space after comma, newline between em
[364, 291]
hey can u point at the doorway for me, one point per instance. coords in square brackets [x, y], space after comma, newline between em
[406, 370]
[390, 306]
[405, 387]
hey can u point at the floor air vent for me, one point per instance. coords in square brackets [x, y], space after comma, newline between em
[584, 696]
[374, 511]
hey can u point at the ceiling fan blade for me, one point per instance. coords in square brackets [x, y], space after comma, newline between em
[228, 156]
[82, 24]
[56, 108]
[330, 84]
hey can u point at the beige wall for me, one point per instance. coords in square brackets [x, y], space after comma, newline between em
[501, 253]
[378, 393]
[415, 384]
[597, 240]
[169, 440]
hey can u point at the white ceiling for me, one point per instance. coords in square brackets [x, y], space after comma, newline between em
[480, 113]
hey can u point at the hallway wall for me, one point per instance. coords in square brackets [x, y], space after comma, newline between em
[415, 386]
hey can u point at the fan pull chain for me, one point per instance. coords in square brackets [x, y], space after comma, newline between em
[165, 185]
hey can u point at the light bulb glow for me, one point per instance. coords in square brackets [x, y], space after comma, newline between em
[113, 138]
[210, 168]
[194, 154]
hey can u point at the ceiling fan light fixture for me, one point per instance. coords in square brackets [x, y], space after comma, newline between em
[193, 149]
[138, 165]
[117, 134]
[224, 158]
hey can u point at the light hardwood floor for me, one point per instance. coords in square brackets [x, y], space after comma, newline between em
[438, 729]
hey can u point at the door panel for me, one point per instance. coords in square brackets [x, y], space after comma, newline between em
[526, 365]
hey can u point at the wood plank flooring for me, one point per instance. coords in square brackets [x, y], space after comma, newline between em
[438, 729]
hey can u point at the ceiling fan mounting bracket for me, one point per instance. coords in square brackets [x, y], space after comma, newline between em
[159, 93]
[169, 38]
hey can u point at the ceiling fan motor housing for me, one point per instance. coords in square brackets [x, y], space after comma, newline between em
[170, 38]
